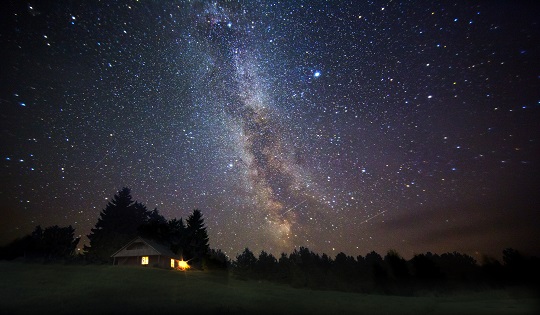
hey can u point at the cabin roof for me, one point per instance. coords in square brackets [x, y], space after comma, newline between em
[152, 248]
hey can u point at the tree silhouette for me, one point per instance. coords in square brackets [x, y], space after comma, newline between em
[284, 264]
[344, 266]
[197, 245]
[245, 263]
[517, 268]
[391, 275]
[458, 267]
[266, 266]
[177, 236]
[308, 269]
[512, 258]
[374, 263]
[426, 270]
[156, 228]
[51, 243]
[117, 224]
[217, 260]
[398, 265]
[59, 242]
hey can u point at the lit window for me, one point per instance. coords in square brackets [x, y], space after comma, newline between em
[172, 263]
[144, 260]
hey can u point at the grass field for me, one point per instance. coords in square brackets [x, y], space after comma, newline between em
[72, 289]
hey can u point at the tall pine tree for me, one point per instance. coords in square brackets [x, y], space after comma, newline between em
[178, 236]
[197, 247]
[156, 228]
[117, 224]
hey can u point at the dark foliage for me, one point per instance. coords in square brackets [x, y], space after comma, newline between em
[426, 271]
[196, 245]
[190, 242]
[391, 275]
[216, 260]
[397, 266]
[245, 264]
[15, 249]
[123, 219]
[266, 266]
[458, 268]
[118, 223]
[52, 243]
[177, 237]
[156, 228]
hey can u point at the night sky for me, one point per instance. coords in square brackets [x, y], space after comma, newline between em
[336, 125]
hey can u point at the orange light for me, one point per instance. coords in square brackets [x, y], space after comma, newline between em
[183, 265]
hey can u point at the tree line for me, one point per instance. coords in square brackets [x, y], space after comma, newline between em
[124, 219]
[51, 243]
[391, 274]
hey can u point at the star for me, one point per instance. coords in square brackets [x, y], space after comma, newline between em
[286, 124]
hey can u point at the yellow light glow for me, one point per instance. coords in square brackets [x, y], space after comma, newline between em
[172, 263]
[183, 265]
[144, 260]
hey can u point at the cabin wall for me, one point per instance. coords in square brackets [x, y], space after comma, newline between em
[131, 261]
[153, 261]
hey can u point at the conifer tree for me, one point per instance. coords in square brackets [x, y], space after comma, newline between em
[245, 263]
[197, 246]
[117, 224]
[59, 242]
[51, 243]
[177, 236]
[156, 227]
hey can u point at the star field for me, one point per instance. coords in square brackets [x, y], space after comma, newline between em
[337, 125]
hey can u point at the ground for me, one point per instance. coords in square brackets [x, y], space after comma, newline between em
[67, 289]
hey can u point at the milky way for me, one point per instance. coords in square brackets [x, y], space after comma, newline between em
[273, 181]
[336, 125]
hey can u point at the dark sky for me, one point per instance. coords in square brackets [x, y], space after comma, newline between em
[337, 125]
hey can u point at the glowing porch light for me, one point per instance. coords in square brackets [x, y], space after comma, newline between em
[183, 265]
[144, 260]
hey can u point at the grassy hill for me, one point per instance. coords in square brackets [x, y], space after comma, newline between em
[68, 289]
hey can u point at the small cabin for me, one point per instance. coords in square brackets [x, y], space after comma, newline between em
[144, 252]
